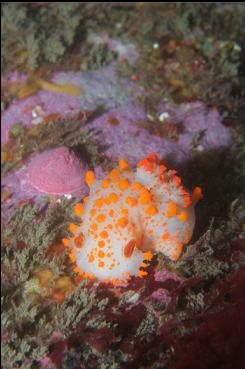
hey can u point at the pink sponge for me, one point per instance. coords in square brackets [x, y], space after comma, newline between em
[56, 171]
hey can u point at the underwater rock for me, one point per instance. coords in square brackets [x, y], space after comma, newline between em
[125, 50]
[164, 274]
[161, 295]
[198, 129]
[101, 88]
[122, 124]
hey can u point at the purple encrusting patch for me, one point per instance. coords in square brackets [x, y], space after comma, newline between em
[118, 96]
[199, 120]
[162, 295]
[102, 88]
[56, 171]
[128, 139]
[164, 274]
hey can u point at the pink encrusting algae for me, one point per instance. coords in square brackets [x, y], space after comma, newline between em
[127, 217]
[56, 171]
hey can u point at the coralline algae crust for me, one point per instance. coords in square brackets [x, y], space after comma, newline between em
[56, 171]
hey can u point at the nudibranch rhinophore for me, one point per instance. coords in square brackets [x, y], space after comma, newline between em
[127, 217]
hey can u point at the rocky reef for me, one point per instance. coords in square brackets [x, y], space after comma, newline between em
[84, 85]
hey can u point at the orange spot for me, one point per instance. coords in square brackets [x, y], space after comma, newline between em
[113, 197]
[72, 256]
[105, 183]
[177, 180]
[91, 258]
[116, 179]
[123, 164]
[148, 255]
[86, 199]
[79, 240]
[142, 273]
[172, 210]
[187, 202]
[145, 196]
[104, 234]
[136, 186]
[79, 209]
[93, 212]
[183, 216]
[101, 264]
[101, 243]
[124, 211]
[151, 210]
[107, 201]
[162, 176]
[99, 203]
[165, 236]
[162, 168]
[146, 164]
[90, 178]
[122, 222]
[66, 242]
[129, 248]
[111, 213]
[124, 184]
[115, 172]
[101, 254]
[131, 201]
[197, 193]
[77, 269]
[73, 227]
[101, 218]
[94, 227]
[153, 157]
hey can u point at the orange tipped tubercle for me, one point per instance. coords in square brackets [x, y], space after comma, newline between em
[90, 178]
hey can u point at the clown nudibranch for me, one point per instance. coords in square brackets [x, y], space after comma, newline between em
[127, 217]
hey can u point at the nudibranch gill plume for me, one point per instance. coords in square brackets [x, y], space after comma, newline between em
[127, 217]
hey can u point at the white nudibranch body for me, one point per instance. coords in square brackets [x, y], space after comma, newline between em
[127, 217]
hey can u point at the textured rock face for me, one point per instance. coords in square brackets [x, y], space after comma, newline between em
[56, 171]
[198, 129]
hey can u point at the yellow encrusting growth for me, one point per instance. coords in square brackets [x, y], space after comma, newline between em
[129, 216]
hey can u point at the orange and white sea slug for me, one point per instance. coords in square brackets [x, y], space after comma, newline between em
[128, 216]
